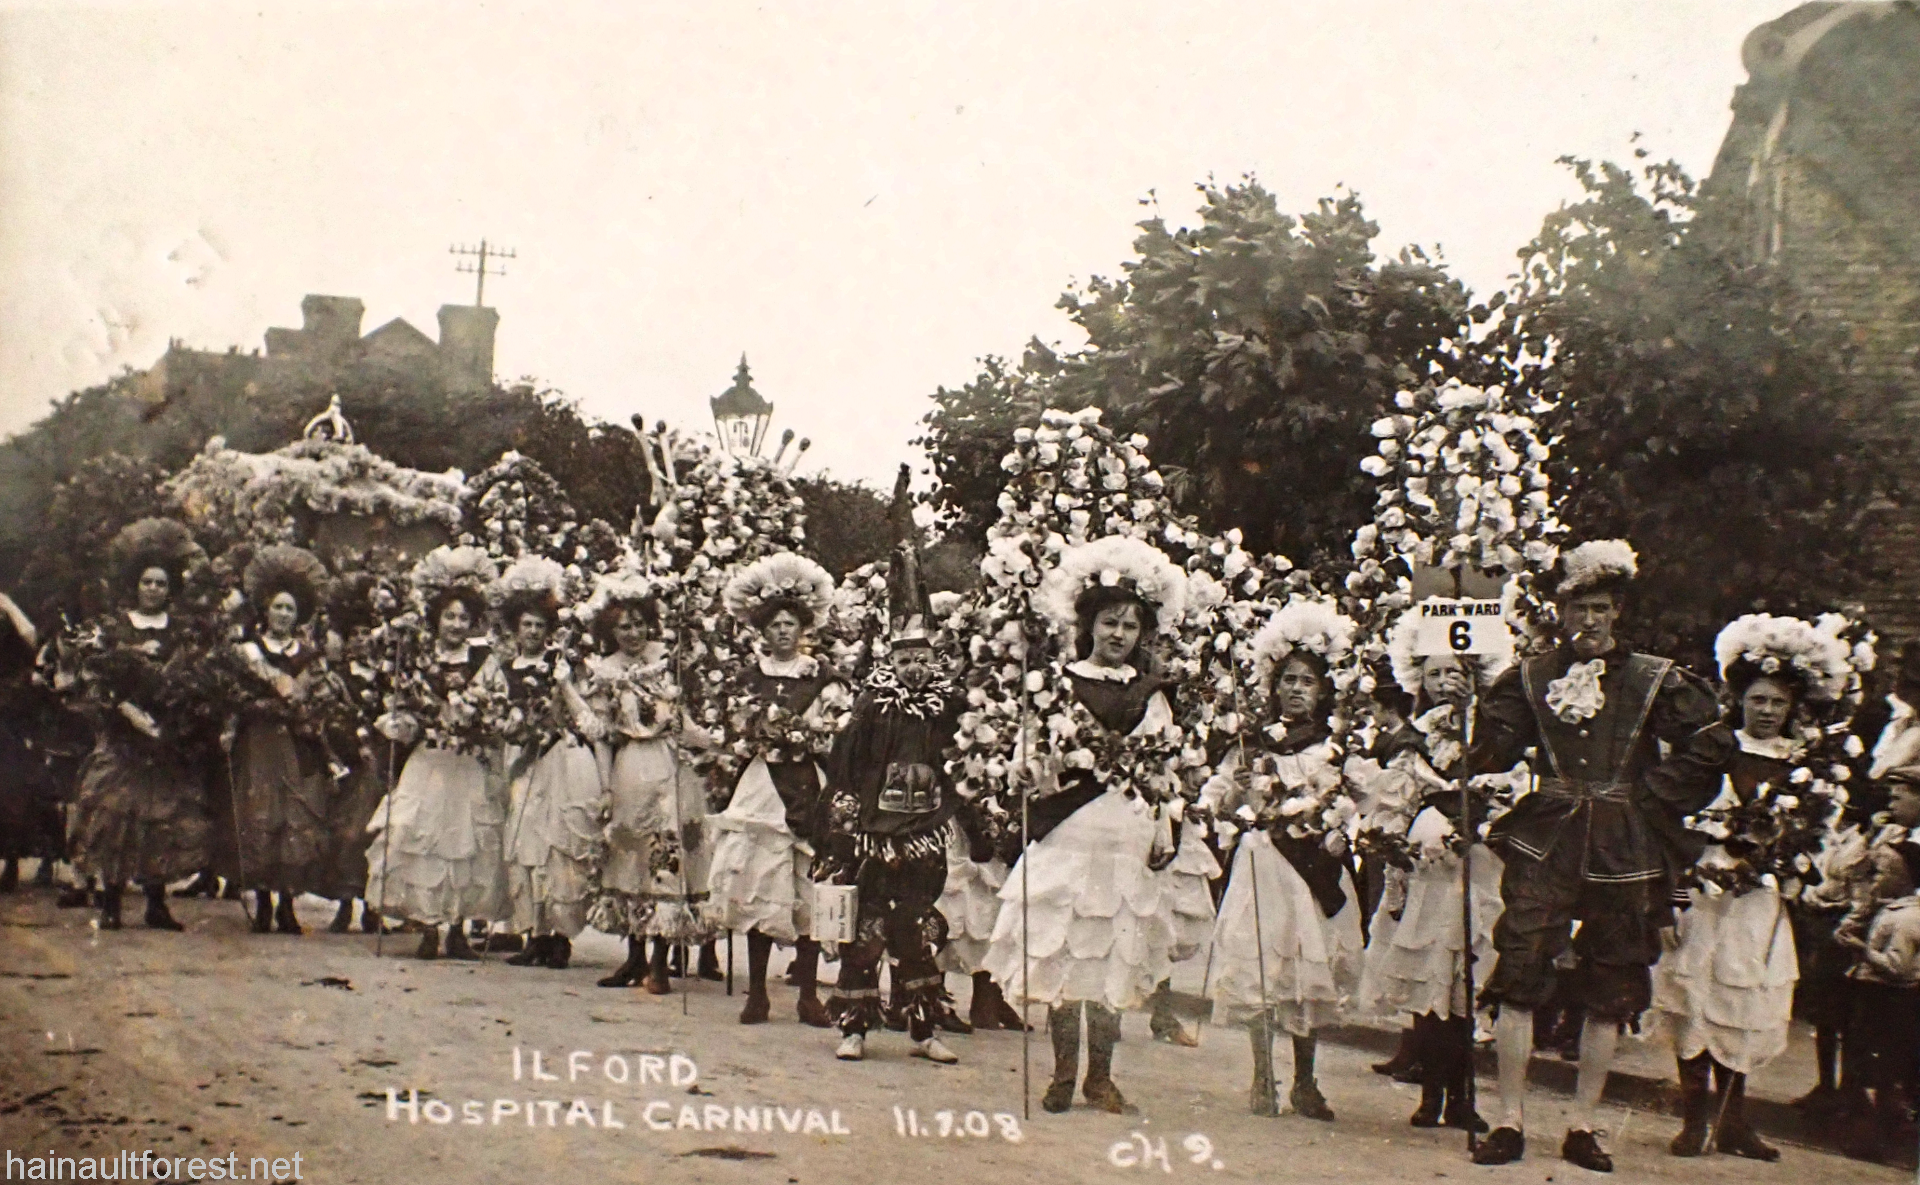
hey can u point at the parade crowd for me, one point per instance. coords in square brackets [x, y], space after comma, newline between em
[1132, 745]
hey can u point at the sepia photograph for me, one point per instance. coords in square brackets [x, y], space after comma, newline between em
[877, 592]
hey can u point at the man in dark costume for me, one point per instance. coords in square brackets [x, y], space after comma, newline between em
[889, 808]
[1599, 842]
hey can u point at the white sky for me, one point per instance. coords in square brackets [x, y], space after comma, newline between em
[862, 197]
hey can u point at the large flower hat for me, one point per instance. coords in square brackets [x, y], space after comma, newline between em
[279, 568]
[1114, 561]
[1304, 623]
[465, 568]
[783, 577]
[1765, 645]
[532, 583]
[162, 543]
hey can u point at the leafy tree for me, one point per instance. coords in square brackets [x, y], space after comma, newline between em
[846, 523]
[1699, 410]
[1254, 349]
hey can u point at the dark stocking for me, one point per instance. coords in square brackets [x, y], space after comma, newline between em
[159, 917]
[628, 973]
[1063, 1025]
[759, 947]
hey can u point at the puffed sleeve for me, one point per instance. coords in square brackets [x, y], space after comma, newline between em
[1686, 718]
[1504, 726]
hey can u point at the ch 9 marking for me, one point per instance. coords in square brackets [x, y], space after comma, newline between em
[1137, 1151]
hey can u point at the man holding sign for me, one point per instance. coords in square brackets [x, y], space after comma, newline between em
[1594, 844]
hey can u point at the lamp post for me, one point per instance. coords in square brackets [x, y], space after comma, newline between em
[740, 414]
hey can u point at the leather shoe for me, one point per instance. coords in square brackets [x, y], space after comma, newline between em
[1504, 1146]
[1582, 1147]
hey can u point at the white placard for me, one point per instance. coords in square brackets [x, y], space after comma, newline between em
[836, 913]
[1446, 625]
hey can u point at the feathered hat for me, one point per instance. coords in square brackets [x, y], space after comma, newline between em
[1303, 623]
[779, 581]
[1599, 565]
[1762, 645]
[463, 572]
[1115, 561]
[152, 543]
[531, 584]
[908, 608]
[1405, 652]
[279, 568]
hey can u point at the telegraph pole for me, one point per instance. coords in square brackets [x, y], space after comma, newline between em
[478, 268]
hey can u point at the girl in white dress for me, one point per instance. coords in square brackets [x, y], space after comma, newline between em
[1286, 947]
[761, 876]
[436, 856]
[1095, 934]
[555, 783]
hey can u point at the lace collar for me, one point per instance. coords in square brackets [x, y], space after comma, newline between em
[148, 621]
[801, 666]
[1086, 668]
[283, 649]
[1780, 748]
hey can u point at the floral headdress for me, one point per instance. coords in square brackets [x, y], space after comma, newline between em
[1787, 647]
[1596, 565]
[1401, 651]
[616, 589]
[152, 543]
[779, 580]
[532, 583]
[279, 568]
[1116, 561]
[1303, 623]
[466, 571]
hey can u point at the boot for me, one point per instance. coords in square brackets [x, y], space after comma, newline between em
[1735, 1136]
[1164, 1024]
[806, 964]
[262, 911]
[1308, 1102]
[709, 968]
[230, 891]
[369, 920]
[203, 884]
[1263, 1097]
[628, 973]
[1423, 1042]
[1405, 1059]
[758, 1007]
[110, 907]
[76, 896]
[1063, 1026]
[534, 954]
[43, 877]
[1696, 1106]
[989, 1009]
[342, 917]
[458, 946]
[429, 943]
[659, 970]
[1103, 1033]
[945, 1018]
[9, 875]
[559, 951]
[283, 917]
[1454, 1036]
[158, 916]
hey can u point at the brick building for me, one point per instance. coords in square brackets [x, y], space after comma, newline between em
[1819, 175]
[329, 345]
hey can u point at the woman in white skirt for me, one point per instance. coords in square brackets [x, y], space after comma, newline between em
[655, 879]
[554, 782]
[436, 856]
[761, 875]
[1725, 989]
[1287, 945]
[1416, 966]
[970, 903]
[1084, 925]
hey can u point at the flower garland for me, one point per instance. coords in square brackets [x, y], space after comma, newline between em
[1772, 839]
[262, 497]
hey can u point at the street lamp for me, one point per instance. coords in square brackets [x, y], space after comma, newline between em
[740, 415]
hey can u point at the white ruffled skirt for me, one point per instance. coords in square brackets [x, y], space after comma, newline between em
[553, 831]
[971, 904]
[437, 852]
[1185, 887]
[1097, 924]
[760, 876]
[1727, 988]
[655, 875]
[1415, 965]
[1311, 963]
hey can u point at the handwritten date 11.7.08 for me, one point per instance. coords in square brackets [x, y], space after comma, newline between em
[956, 1125]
